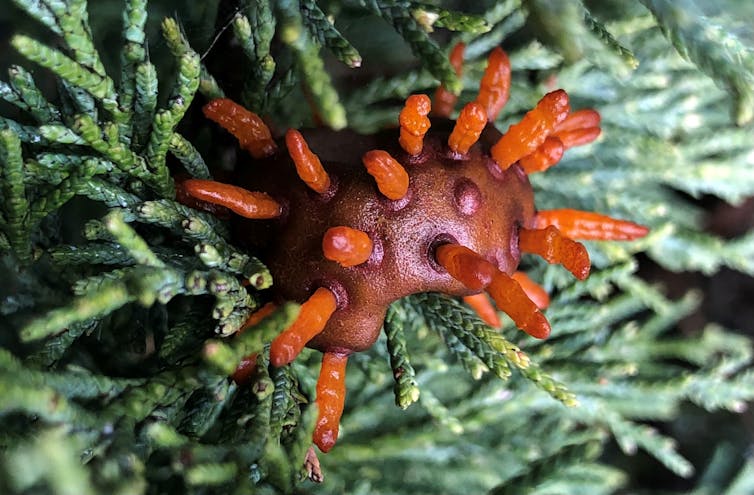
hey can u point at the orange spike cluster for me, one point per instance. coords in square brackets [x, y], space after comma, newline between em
[468, 128]
[548, 154]
[252, 133]
[554, 247]
[537, 142]
[312, 318]
[391, 177]
[414, 123]
[308, 166]
[481, 304]
[523, 138]
[533, 290]
[494, 88]
[476, 273]
[347, 246]
[249, 204]
[444, 100]
[331, 397]
[589, 226]
[513, 301]
[579, 128]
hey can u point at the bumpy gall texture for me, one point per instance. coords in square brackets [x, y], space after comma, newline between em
[464, 199]
[348, 223]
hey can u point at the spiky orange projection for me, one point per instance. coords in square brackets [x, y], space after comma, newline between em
[414, 123]
[495, 86]
[450, 211]
[468, 128]
[308, 166]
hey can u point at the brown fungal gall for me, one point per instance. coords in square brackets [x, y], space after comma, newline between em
[426, 213]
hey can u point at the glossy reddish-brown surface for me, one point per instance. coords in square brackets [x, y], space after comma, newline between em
[451, 198]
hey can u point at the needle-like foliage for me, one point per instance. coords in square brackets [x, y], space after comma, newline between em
[123, 310]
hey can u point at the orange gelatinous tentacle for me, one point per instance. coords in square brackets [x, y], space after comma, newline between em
[391, 177]
[312, 318]
[481, 304]
[523, 138]
[347, 246]
[587, 225]
[513, 301]
[577, 137]
[548, 154]
[252, 133]
[331, 397]
[494, 88]
[554, 247]
[533, 290]
[579, 119]
[414, 123]
[183, 197]
[466, 266]
[444, 100]
[468, 127]
[308, 166]
[249, 204]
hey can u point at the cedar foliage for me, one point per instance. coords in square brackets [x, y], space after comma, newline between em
[119, 303]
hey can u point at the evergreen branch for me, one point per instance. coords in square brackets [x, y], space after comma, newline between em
[505, 17]
[396, 87]
[255, 34]
[429, 16]
[107, 141]
[90, 254]
[630, 436]
[23, 93]
[713, 48]
[53, 199]
[601, 32]
[107, 193]
[39, 10]
[327, 34]
[720, 391]
[445, 314]
[396, 12]
[561, 24]
[198, 226]
[51, 457]
[192, 161]
[166, 120]
[56, 134]
[310, 66]
[283, 402]
[145, 104]
[92, 305]
[129, 240]
[440, 413]
[546, 469]
[73, 19]
[99, 86]
[179, 47]
[134, 52]
[16, 204]
[406, 389]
